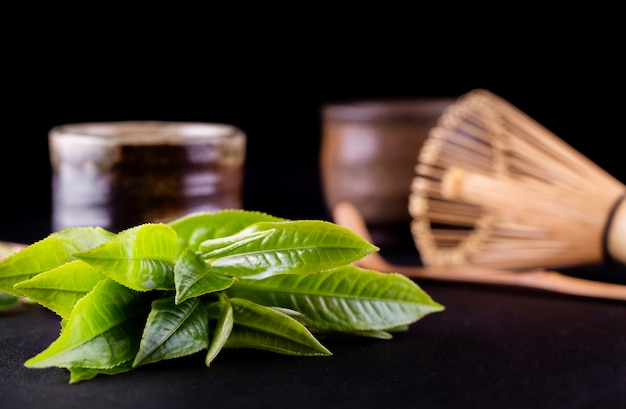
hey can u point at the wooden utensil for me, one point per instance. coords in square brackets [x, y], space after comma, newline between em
[347, 215]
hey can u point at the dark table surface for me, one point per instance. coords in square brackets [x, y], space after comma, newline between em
[492, 347]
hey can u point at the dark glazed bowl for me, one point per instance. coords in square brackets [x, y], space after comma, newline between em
[368, 153]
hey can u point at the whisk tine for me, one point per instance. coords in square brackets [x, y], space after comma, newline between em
[493, 187]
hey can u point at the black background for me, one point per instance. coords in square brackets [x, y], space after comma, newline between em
[268, 67]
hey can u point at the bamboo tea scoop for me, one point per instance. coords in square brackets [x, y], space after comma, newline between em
[347, 215]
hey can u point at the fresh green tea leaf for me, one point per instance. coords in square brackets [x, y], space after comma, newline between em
[224, 246]
[267, 248]
[173, 330]
[345, 299]
[223, 328]
[56, 249]
[259, 327]
[104, 330]
[379, 334]
[193, 277]
[141, 258]
[78, 374]
[195, 228]
[60, 288]
[372, 334]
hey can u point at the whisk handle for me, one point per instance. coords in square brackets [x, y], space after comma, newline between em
[616, 233]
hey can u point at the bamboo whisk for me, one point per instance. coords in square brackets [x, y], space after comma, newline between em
[495, 188]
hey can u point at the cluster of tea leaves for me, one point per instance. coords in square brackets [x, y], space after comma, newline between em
[205, 282]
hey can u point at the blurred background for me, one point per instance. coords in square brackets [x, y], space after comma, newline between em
[268, 69]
